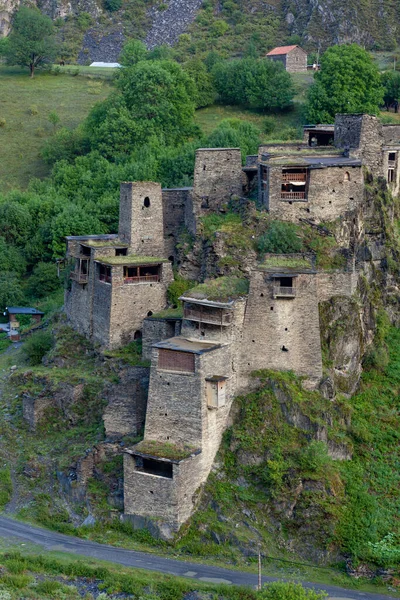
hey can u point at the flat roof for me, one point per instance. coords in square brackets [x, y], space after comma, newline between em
[186, 345]
[314, 161]
[104, 236]
[216, 149]
[115, 243]
[23, 310]
[180, 189]
[130, 260]
[211, 303]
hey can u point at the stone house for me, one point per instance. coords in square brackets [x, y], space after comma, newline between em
[268, 320]
[293, 58]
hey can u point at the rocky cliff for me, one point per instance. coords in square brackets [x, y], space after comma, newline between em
[228, 25]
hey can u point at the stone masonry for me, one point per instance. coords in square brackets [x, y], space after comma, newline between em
[201, 360]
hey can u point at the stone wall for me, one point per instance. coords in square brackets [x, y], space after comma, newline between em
[330, 192]
[296, 61]
[217, 177]
[125, 412]
[391, 134]
[141, 220]
[336, 284]
[178, 413]
[281, 333]
[155, 330]
[176, 205]
[363, 134]
[131, 303]
[102, 307]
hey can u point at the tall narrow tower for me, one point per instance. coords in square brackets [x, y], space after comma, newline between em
[141, 219]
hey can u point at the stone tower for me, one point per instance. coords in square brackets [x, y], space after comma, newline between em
[141, 223]
[362, 134]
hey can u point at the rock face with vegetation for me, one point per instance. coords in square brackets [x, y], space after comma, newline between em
[96, 30]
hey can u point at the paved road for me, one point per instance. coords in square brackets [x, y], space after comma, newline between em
[50, 540]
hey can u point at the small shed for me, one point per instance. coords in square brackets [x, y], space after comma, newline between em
[293, 58]
[14, 311]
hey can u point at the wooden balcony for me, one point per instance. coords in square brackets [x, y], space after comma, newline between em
[288, 177]
[79, 277]
[142, 279]
[284, 292]
[293, 195]
[206, 316]
[105, 278]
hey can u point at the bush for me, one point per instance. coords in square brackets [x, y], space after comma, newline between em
[44, 280]
[289, 591]
[37, 345]
[112, 5]
[177, 288]
[5, 487]
[280, 237]
[269, 125]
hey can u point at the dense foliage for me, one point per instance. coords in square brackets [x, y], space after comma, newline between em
[348, 82]
[31, 42]
[254, 83]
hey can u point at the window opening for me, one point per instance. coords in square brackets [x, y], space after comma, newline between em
[392, 157]
[142, 274]
[284, 287]
[347, 176]
[85, 250]
[153, 467]
[216, 391]
[105, 273]
[146, 202]
[390, 176]
[137, 335]
[121, 252]
[293, 185]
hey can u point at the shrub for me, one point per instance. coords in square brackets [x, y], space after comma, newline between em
[44, 280]
[5, 487]
[280, 237]
[37, 345]
[177, 288]
[112, 5]
[289, 591]
[269, 125]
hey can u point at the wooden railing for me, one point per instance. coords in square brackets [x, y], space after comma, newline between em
[285, 292]
[294, 177]
[142, 279]
[293, 195]
[391, 164]
[79, 277]
[208, 317]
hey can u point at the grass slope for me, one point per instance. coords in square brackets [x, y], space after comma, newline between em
[25, 105]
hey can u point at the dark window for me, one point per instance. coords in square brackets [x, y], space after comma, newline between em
[85, 250]
[121, 252]
[392, 156]
[146, 202]
[153, 467]
[286, 282]
[174, 360]
[105, 273]
[390, 176]
[142, 274]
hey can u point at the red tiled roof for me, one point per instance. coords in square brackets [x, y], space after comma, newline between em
[282, 50]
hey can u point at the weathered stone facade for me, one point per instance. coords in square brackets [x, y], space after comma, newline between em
[291, 312]
[293, 58]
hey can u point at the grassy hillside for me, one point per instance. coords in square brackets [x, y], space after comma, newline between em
[25, 106]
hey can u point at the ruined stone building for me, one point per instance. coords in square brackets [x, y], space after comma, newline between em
[269, 319]
[293, 58]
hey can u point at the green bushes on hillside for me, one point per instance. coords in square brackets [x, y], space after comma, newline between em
[262, 84]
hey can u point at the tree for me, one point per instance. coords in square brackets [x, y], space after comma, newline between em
[206, 93]
[31, 42]
[44, 280]
[255, 83]
[156, 101]
[132, 52]
[11, 293]
[348, 82]
[391, 85]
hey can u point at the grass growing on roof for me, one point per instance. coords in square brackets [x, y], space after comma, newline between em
[165, 449]
[168, 313]
[286, 261]
[222, 289]
[131, 259]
